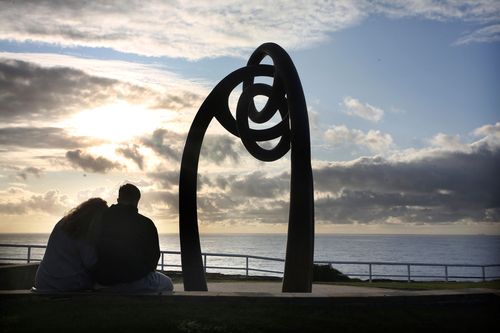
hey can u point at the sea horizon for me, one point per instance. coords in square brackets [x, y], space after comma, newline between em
[393, 248]
[284, 233]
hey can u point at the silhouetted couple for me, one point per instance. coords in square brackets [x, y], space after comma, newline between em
[112, 249]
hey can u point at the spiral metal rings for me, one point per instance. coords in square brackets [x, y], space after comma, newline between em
[284, 96]
[246, 110]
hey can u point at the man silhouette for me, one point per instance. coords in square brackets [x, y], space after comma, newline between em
[128, 248]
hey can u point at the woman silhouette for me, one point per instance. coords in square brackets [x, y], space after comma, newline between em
[70, 254]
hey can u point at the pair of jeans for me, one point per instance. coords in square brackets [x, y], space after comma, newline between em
[153, 282]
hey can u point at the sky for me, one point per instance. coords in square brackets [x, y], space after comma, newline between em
[402, 96]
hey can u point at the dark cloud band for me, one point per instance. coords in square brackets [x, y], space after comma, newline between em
[87, 162]
[43, 137]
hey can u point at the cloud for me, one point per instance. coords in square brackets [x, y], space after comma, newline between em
[50, 202]
[442, 184]
[87, 162]
[165, 143]
[364, 207]
[487, 34]
[132, 152]
[221, 148]
[431, 187]
[374, 140]
[31, 92]
[23, 173]
[152, 76]
[166, 179]
[226, 197]
[195, 30]
[244, 198]
[365, 111]
[184, 29]
[33, 171]
[42, 137]
[216, 205]
[480, 11]
[40, 95]
[488, 130]
[166, 203]
[179, 101]
[445, 141]
[467, 10]
[259, 185]
[490, 135]
[216, 148]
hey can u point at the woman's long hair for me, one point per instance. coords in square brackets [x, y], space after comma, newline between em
[79, 220]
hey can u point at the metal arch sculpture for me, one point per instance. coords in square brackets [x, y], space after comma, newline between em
[285, 96]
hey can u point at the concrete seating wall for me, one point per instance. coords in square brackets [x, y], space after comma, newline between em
[17, 277]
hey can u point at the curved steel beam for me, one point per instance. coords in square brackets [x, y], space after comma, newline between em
[285, 96]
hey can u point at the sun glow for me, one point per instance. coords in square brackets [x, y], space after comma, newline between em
[116, 122]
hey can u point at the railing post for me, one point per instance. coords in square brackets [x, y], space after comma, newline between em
[370, 271]
[247, 265]
[29, 254]
[409, 276]
[205, 263]
[446, 273]
[484, 273]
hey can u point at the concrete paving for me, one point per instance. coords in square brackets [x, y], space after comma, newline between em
[270, 290]
[273, 289]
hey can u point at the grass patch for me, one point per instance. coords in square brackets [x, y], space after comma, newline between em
[425, 285]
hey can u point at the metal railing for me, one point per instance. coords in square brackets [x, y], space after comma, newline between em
[247, 269]
[483, 272]
[28, 257]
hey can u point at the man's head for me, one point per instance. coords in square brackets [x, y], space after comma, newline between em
[129, 194]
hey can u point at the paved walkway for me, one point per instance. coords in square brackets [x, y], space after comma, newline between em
[263, 290]
[273, 289]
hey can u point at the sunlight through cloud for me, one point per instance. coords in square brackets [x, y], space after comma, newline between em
[115, 122]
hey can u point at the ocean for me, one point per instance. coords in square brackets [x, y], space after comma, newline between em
[434, 249]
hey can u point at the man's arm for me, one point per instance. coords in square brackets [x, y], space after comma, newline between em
[153, 247]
